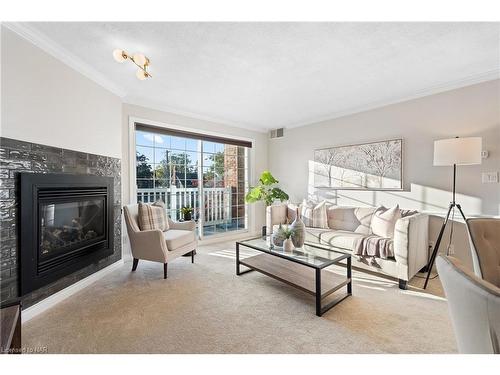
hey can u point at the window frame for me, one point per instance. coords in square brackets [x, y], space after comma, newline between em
[249, 158]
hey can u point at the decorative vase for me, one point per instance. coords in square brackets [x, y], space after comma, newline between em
[299, 231]
[278, 237]
[288, 245]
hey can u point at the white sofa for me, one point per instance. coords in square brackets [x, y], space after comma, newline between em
[349, 225]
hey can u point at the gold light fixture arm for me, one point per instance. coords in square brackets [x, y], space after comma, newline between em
[143, 68]
[121, 55]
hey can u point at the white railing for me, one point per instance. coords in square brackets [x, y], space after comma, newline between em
[217, 201]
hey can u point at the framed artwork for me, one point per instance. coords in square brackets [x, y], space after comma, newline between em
[366, 166]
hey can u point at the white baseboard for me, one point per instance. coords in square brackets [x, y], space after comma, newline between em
[55, 298]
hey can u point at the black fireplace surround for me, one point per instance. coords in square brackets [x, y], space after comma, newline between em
[66, 224]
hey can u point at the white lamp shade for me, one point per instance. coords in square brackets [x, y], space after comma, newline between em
[460, 151]
[118, 55]
[140, 59]
[141, 74]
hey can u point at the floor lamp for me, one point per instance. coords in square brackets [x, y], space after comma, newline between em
[453, 152]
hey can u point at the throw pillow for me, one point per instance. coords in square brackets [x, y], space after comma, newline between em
[152, 216]
[160, 203]
[384, 221]
[405, 213]
[314, 216]
[364, 216]
[291, 212]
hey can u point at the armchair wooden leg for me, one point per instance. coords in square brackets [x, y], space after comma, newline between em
[192, 256]
[134, 264]
[165, 270]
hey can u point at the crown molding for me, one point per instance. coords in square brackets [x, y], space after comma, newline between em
[432, 90]
[55, 50]
[196, 116]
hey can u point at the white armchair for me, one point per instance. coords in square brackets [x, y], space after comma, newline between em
[158, 246]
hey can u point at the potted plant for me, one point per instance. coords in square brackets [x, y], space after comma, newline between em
[287, 243]
[187, 213]
[266, 191]
[278, 237]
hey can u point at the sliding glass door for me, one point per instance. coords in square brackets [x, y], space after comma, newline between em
[210, 177]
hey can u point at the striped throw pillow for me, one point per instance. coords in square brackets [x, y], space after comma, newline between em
[160, 203]
[152, 216]
[314, 215]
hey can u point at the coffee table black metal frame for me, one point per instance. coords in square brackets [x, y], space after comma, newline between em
[318, 294]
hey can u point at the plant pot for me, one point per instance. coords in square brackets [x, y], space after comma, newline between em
[187, 216]
[278, 237]
[288, 245]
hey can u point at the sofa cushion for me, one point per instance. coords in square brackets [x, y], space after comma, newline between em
[384, 221]
[313, 235]
[364, 216]
[152, 217]
[355, 219]
[358, 243]
[279, 214]
[341, 238]
[342, 218]
[176, 238]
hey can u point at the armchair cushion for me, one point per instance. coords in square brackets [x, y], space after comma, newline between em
[152, 217]
[182, 225]
[176, 238]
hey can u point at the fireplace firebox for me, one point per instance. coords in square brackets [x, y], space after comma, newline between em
[66, 224]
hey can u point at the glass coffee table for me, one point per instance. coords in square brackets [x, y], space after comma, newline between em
[301, 268]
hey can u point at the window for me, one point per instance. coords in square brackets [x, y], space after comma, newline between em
[209, 176]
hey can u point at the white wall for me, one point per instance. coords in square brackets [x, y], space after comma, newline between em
[258, 154]
[469, 111]
[45, 101]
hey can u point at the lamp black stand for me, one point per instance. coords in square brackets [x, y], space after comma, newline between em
[452, 206]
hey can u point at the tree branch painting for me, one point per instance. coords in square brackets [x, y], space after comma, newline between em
[369, 166]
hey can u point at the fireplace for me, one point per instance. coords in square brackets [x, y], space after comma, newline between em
[66, 224]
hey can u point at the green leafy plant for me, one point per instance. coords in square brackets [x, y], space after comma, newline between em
[287, 232]
[266, 191]
[186, 210]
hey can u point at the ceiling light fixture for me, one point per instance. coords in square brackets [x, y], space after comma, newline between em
[141, 61]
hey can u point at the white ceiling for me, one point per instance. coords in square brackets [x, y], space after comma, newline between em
[269, 75]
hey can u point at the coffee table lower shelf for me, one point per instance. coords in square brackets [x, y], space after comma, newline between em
[316, 281]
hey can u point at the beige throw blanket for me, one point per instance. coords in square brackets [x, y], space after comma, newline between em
[374, 246]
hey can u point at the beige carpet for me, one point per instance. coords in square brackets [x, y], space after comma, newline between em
[205, 308]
